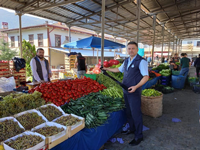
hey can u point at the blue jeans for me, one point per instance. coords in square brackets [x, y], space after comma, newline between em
[184, 71]
[80, 73]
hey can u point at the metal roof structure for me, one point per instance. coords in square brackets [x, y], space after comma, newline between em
[179, 17]
[120, 16]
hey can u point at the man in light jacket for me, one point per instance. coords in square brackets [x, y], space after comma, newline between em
[40, 67]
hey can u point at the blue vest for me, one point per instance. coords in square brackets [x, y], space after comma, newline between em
[132, 76]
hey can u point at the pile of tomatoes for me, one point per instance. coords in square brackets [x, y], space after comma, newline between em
[61, 92]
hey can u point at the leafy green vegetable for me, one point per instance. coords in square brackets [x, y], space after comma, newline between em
[165, 72]
[177, 63]
[151, 92]
[113, 92]
[94, 107]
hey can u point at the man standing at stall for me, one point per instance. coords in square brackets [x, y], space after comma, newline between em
[185, 64]
[80, 65]
[197, 65]
[40, 67]
[135, 70]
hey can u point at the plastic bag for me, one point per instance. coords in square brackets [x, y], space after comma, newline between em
[19, 63]
[7, 84]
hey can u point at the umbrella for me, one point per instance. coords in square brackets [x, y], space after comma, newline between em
[93, 42]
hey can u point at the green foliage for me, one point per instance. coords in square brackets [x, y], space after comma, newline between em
[28, 52]
[5, 51]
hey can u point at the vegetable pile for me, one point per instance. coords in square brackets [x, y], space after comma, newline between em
[8, 129]
[151, 92]
[192, 79]
[16, 103]
[24, 142]
[50, 112]
[67, 120]
[61, 92]
[113, 92]
[49, 131]
[94, 107]
[161, 67]
[165, 72]
[30, 120]
[177, 63]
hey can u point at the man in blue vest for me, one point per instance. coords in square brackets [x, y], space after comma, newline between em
[135, 70]
[40, 67]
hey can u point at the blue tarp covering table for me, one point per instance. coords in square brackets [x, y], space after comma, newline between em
[93, 139]
[150, 83]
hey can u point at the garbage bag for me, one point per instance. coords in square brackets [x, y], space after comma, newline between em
[19, 63]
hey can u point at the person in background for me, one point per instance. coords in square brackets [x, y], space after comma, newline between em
[185, 64]
[40, 67]
[149, 60]
[173, 62]
[80, 65]
[197, 65]
[135, 69]
[163, 59]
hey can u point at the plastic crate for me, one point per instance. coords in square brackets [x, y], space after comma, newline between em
[178, 82]
[91, 76]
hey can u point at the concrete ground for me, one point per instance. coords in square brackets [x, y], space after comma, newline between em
[165, 134]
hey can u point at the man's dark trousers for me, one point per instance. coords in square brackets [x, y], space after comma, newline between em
[133, 113]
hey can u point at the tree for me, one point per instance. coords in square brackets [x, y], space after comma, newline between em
[5, 52]
[28, 52]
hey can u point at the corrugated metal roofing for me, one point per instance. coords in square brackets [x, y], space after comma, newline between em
[182, 17]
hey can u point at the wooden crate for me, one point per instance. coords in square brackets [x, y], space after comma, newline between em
[76, 130]
[19, 76]
[56, 142]
[5, 69]
[69, 62]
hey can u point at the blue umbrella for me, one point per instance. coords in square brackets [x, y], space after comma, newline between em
[93, 42]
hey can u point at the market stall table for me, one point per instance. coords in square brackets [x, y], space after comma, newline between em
[94, 138]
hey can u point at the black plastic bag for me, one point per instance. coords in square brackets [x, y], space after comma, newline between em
[19, 63]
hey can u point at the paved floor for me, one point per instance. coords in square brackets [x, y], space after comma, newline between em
[165, 134]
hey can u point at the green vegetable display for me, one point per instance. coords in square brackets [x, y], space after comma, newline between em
[165, 72]
[119, 76]
[113, 92]
[106, 81]
[16, 103]
[151, 92]
[192, 79]
[161, 67]
[177, 63]
[94, 107]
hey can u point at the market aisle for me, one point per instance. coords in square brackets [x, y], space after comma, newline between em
[165, 134]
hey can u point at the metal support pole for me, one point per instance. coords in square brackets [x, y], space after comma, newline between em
[162, 41]
[97, 55]
[20, 33]
[69, 34]
[176, 45]
[126, 48]
[169, 46]
[138, 19]
[102, 30]
[173, 46]
[154, 31]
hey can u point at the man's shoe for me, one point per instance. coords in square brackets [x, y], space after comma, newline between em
[127, 132]
[136, 142]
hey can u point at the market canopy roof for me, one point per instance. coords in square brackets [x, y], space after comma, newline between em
[89, 53]
[181, 17]
[93, 42]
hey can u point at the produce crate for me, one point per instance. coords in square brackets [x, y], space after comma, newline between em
[91, 76]
[19, 76]
[31, 111]
[69, 62]
[4, 69]
[40, 146]
[54, 140]
[75, 128]
[11, 118]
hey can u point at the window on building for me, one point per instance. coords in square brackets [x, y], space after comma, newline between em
[31, 39]
[67, 38]
[189, 42]
[40, 39]
[57, 40]
[198, 43]
[12, 38]
[18, 42]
